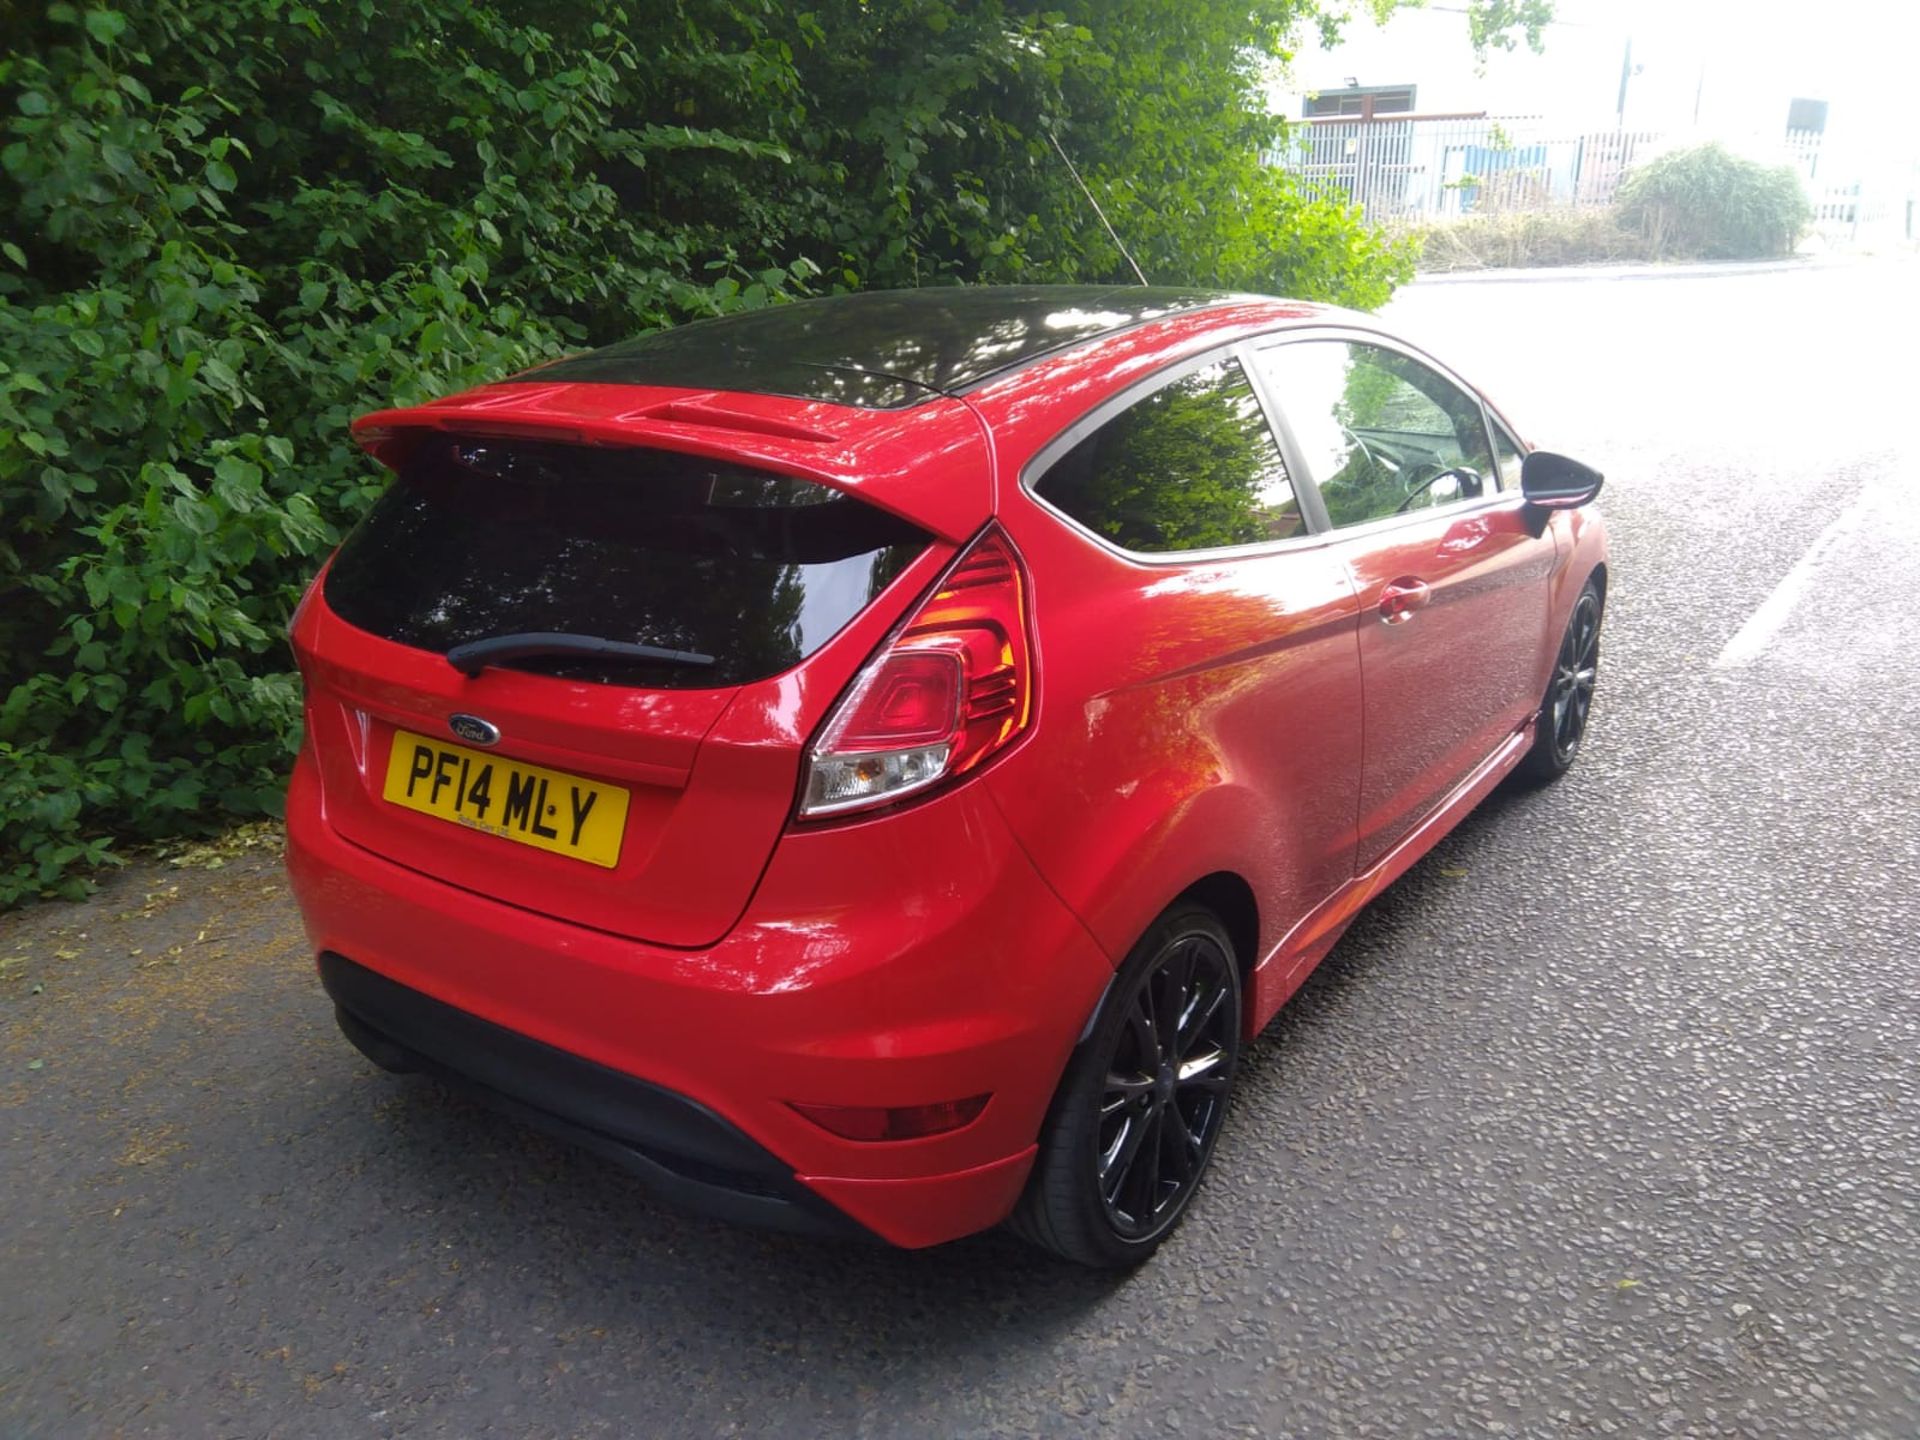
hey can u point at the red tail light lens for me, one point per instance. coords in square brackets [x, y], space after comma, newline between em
[953, 686]
[912, 697]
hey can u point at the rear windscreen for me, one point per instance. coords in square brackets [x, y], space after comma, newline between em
[484, 538]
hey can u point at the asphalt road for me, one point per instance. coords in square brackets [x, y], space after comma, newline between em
[1605, 1120]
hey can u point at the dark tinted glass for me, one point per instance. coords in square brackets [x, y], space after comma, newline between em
[880, 349]
[1191, 467]
[1383, 434]
[480, 538]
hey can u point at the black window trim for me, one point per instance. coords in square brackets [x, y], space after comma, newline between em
[1304, 475]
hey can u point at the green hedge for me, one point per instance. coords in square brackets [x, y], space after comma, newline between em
[232, 226]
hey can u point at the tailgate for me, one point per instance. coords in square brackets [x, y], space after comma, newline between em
[631, 793]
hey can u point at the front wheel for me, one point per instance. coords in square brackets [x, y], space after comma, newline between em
[1137, 1115]
[1562, 723]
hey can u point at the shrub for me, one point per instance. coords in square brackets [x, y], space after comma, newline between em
[1708, 203]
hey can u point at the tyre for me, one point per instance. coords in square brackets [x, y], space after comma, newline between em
[1140, 1107]
[1562, 723]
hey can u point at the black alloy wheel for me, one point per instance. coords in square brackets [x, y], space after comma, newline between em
[1166, 1088]
[1574, 673]
[1562, 724]
[1143, 1100]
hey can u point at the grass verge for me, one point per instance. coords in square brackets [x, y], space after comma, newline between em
[1518, 239]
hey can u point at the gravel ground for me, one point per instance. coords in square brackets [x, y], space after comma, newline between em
[1605, 1120]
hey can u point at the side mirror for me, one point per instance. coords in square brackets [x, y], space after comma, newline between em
[1555, 482]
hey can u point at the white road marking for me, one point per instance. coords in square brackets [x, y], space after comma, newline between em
[1752, 638]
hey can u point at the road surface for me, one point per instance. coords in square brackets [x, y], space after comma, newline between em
[1605, 1120]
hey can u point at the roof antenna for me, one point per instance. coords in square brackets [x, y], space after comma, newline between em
[1139, 274]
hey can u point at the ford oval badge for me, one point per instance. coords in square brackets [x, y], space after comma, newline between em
[474, 729]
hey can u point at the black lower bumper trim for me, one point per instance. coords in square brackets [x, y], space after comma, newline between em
[685, 1152]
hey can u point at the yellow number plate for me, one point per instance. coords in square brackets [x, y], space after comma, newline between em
[546, 808]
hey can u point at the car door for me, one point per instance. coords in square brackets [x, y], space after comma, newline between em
[1450, 570]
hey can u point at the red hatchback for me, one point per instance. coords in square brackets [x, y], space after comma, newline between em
[868, 766]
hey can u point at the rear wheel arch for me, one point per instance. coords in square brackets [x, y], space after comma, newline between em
[1225, 895]
[1232, 900]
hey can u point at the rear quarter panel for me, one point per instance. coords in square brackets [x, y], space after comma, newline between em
[1193, 719]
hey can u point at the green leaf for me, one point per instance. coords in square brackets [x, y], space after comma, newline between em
[196, 515]
[106, 26]
[221, 177]
[14, 253]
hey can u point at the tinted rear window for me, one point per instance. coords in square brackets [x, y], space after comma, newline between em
[479, 538]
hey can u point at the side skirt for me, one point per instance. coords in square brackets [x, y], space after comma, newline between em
[1286, 968]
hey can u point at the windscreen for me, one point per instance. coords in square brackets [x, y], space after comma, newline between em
[480, 538]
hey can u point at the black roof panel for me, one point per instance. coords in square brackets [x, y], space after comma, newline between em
[880, 348]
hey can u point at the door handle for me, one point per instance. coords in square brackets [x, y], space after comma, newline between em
[1399, 599]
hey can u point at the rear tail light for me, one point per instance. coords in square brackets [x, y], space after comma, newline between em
[953, 686]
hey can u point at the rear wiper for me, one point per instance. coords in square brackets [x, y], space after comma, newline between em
[474, 656]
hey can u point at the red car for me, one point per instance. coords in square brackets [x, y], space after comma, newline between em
[868, 766]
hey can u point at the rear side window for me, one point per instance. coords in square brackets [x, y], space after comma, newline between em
[481, 538]
[1193, 466]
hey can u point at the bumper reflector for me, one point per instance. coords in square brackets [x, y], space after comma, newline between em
[893, 1122]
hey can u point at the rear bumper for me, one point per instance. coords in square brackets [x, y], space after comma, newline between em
[682, 1150]
[903, 961]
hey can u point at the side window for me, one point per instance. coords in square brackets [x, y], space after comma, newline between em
[1382, 433]
[1193, 466]
[1508, 454]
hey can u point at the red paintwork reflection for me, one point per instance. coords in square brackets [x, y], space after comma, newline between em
[1194, 719]
[1253, 717]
